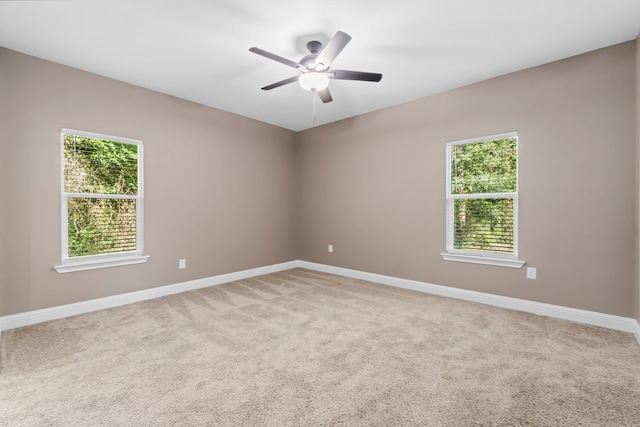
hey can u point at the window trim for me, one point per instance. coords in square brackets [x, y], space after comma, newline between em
[90, 262]
[479, 257]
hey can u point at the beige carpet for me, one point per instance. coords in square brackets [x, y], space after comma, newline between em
[302, 348]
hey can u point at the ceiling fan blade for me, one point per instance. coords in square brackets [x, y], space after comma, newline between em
[356, 75]
[325, 95]
[332, 49]
[277, 58]
[281, 83]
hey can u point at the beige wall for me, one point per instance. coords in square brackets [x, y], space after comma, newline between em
[228, 193]
[218, 187]
[374, 186]
[637, 178]
[4, 179]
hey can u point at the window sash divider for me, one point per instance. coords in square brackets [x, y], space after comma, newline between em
[510, 195]
[100, 196]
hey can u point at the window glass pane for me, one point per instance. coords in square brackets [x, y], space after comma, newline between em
[99, 166]
[101, 226]
[484, 167]
[483, 225]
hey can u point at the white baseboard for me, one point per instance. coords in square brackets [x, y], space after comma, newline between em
[46, 314]
[618, 323]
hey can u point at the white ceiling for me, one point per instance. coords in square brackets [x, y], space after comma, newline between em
[199, 49]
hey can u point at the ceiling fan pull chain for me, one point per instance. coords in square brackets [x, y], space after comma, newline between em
[313, 95]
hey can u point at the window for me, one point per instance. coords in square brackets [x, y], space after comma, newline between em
[482, 200]
[101, 201]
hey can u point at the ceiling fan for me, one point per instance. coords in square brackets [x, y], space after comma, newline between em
[315, 67]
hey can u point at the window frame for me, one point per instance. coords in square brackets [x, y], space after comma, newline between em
[89, 262]
[481, 257]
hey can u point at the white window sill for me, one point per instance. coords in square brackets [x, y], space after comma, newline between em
[482, 259]
[91, 264]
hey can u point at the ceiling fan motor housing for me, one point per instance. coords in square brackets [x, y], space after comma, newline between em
[309, 62]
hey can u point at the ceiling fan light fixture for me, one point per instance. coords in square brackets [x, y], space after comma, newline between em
[314, 67]
[313, 81]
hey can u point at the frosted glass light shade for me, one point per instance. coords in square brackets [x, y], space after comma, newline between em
[313, 81]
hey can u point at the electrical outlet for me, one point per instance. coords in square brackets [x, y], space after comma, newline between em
[330, 248]
[182, 263]
[531, 273]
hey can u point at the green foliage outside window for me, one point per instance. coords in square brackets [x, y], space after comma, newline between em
[98, 172]
[485, 220]
[99, 166]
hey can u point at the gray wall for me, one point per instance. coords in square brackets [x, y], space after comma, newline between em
[218, 187]
[374, 186]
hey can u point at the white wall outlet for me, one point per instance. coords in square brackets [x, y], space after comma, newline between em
[330, 248]
[531, 272]
[182, 263]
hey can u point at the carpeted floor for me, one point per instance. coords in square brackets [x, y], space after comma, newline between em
[302, 348]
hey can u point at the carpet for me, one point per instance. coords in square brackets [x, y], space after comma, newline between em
[304, 348]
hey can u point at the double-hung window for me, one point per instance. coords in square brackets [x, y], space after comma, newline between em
[101, 201]
[482, 201]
